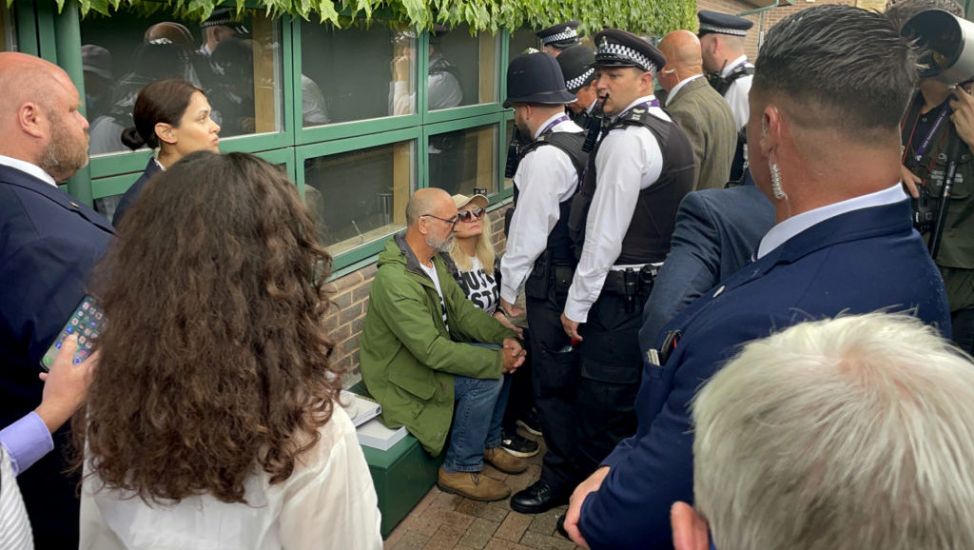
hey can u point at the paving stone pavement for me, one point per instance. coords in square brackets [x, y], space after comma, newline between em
[442, 521]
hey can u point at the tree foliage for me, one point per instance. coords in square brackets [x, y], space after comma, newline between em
[655, 17]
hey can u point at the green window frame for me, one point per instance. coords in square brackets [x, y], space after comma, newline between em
[56, 36]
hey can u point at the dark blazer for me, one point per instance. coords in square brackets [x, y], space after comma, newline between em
[861, 261]
[48, 245]
[717, 232]
[130, 196]
[709, 124]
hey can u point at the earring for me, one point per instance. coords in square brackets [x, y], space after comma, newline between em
[776, 189]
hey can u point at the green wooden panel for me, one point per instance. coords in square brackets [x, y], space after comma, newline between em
[402, 476]
[305, 152]
[461, 124]
[459, 113]
[26, 27]
[114, 185]
[356, 128]
[118, 163]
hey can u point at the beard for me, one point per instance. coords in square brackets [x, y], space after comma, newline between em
[64, 155]
[439, 245]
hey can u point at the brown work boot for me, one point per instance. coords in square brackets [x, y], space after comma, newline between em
[473, 485]
[504, 462]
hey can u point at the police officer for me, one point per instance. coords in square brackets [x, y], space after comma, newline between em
[622, 219]
[540, 257]
[577, 67]
[729, 72]
[558, 38]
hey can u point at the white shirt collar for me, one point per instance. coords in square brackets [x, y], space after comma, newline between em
[732, 65]
[545, 124]
[28, 168]
[782, 232]
[678, 87]
[591, 107]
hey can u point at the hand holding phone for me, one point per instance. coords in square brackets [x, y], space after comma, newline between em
[86, 323]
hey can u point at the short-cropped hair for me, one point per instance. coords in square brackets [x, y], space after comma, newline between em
[842, 434]
[845, 67]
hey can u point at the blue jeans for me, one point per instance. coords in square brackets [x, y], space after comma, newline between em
[477, 416]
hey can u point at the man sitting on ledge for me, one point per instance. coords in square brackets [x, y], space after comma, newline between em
[420, 361]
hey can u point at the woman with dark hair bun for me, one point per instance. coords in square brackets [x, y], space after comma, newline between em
[172, 116]
[212, 420]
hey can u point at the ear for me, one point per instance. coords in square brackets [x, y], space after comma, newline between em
[31, 119]
[772, 128]
[690, 530]
[166, 133]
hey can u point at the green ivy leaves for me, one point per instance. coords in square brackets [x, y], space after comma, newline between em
[655, 17]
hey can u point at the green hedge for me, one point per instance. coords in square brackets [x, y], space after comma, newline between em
[654, 17]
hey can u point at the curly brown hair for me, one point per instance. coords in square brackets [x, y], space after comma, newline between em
[215, 356]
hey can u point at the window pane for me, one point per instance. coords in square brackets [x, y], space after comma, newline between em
[8, 35]
[237, 64]
[520, 41]
[107, 205]
[359, 196]
[462, 161]
[356, 73]
[462, 69]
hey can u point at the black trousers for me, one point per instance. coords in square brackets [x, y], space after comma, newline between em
[520, 400]
[585, 396]
[962, 325]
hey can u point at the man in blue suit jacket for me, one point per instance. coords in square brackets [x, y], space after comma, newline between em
[717, 233]
[824, 147]
[48, 244]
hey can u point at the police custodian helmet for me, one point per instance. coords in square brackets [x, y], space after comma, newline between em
[536, 78]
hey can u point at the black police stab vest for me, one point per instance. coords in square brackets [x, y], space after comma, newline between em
[648, 238]
[559, 248]
[723, 83]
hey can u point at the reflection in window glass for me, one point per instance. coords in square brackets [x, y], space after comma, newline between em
[508, 183]
[8, 36]
[236, 63]
[106, 206]
[356, 73]
[359, 196]
[520, 41]
[462, 68]
[462, 161]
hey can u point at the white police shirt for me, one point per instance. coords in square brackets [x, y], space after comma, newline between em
[544, 178]
[736, 95]
[629, 160]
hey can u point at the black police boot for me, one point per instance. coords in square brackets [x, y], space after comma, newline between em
[538, 498]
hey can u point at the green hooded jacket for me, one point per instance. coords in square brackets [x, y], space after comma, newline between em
[408, 358]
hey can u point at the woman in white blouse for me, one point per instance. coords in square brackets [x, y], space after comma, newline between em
[211, 422]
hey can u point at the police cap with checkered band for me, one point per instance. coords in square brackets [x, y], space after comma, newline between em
[722, 23]
[616, 48]
[576, 65]
[561, 36]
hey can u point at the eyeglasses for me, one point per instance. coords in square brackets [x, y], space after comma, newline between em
[470, 215]
[452, 221]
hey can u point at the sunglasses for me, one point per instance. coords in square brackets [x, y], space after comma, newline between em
[470, 215]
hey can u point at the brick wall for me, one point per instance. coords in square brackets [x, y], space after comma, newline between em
[350, 296]
[766, 19]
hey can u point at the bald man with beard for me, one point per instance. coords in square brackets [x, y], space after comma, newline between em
[698, 109]
[48, 244]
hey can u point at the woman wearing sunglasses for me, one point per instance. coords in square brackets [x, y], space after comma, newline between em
[475, 266]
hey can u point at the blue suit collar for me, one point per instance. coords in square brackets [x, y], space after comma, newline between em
[851, 226]
[16, 178]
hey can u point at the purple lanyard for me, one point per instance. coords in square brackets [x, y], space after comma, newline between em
[556, 122]
[925, 144]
